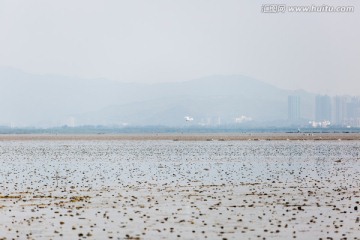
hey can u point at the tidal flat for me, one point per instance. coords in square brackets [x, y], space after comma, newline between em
[98, 188]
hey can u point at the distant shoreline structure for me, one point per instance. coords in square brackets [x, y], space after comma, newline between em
[185, 137]
[159, 129]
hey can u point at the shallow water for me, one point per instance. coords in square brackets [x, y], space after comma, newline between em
[219, 189]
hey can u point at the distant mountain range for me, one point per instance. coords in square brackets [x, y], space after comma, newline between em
[51, 100]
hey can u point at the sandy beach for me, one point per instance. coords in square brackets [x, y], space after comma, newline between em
[180, 186]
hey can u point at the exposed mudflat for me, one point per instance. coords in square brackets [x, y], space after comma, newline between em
[117, 188]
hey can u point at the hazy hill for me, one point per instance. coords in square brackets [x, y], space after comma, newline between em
[47, 100]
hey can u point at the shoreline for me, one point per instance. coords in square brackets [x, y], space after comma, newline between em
[185, 137]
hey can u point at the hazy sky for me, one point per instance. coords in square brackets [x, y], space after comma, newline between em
[161, 40]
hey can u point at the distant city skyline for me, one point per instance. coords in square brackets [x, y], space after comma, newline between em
[339, 110]
[54, 100]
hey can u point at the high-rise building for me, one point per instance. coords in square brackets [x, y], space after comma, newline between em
[293, 108]
[339, 110]
[322, 108]
[353, 112]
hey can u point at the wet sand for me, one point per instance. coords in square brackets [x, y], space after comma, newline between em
[108, 187]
